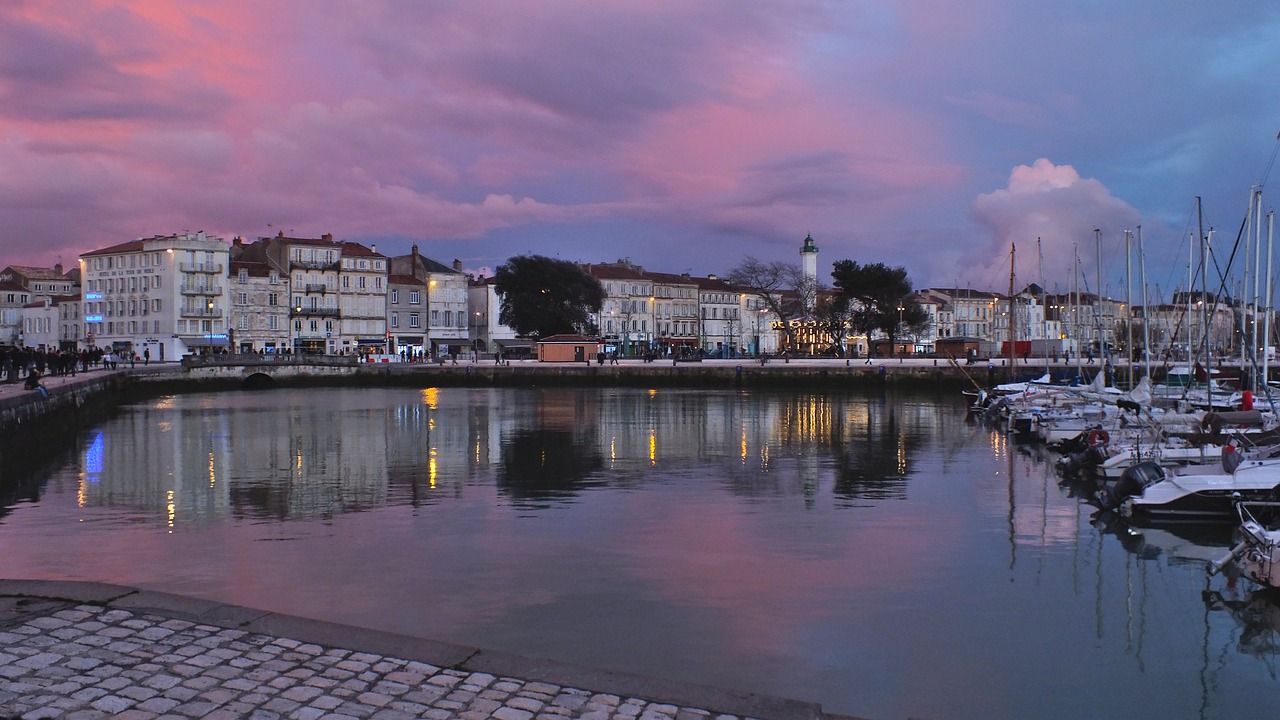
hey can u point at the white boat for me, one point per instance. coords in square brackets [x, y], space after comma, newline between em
[1258, 553]
[1147, 490]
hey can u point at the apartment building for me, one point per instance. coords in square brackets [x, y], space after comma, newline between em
[165, 295]
[259, 300]
[448, 319]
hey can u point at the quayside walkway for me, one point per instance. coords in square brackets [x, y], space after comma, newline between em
[81, 651]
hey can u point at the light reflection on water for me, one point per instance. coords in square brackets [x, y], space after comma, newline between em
[872, 553]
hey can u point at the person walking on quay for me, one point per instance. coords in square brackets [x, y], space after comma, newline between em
[146, 356]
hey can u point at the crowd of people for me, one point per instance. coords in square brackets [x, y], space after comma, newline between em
[19, 363]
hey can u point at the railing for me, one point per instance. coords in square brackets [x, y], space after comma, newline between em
[201, 290]
[316, 288]
[314, 264]
[315, 312]
[200, 312]
[254, 359]
[200, 268]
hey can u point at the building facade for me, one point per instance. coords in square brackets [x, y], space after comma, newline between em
[164, 295]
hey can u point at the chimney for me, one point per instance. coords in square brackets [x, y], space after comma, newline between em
[457, 264]
[327, 237]
[374, 248]
[413, 268]
[57, 267]
[237, 241]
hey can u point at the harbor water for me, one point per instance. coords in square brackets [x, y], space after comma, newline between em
[876, 552]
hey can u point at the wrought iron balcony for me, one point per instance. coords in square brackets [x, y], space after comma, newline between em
[314, 312]
[214, 268]
[201, 290]
[200, 312]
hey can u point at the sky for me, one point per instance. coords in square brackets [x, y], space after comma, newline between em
[685, 136]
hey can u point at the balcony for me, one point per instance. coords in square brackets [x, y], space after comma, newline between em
[214, 290]
[314, 264]
[316, 288]
[314, 312]
[213, 268]
[200, 312]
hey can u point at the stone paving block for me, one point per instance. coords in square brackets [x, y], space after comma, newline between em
[113, 704]
[390, 714]
[195, 708]
[510, 713]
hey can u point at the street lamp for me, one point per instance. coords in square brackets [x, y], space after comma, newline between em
[209, 306]
[297, 325]
[898, 329]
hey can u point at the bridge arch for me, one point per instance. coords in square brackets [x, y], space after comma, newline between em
[258, 381]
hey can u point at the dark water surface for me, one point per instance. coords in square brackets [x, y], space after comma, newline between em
[873, 553]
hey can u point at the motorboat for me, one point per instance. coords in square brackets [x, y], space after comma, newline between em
[1146, 489]
[1257, 555]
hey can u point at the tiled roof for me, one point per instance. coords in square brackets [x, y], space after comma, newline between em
[131, 246]
[569, 339]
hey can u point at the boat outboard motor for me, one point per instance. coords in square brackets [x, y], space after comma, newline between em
[1232, 455]
[1094, 454]
[1133, 481]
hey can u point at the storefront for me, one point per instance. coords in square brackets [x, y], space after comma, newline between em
[514, 349]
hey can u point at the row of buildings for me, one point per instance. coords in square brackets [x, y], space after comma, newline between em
[168, 296]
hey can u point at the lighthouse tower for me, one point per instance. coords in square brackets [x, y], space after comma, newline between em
[809, 266]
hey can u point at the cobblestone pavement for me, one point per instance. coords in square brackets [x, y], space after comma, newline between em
[60, 658]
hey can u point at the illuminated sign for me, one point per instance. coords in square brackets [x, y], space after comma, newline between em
[93, 296]
[93, 318]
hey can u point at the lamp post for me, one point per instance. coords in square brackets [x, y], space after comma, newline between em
[209, 307]
[898, 329]
[297, 325]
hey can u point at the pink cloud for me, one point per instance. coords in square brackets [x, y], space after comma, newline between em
[1054, 204]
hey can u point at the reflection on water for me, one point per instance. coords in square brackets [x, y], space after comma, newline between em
[198, 459]
[872, 552]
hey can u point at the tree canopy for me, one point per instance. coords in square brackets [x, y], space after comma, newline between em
[770, 282]
[541, 296]
[875, 292]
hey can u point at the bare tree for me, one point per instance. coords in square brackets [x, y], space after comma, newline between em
[771, 282]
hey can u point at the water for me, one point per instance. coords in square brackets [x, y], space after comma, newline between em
[873, 553]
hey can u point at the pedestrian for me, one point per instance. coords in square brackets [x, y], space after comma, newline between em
[146, 356]
[33, 383]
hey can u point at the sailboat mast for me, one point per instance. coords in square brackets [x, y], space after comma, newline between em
[1266, 317]
[1128, 300]
[1013, 335]
[1146, 308]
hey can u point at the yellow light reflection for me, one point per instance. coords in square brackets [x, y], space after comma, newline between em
[653, 447]
[744, 447]
[431, 396]
[82, 497]
[170, 509]
[477, 452]
[213, 475]
[431, 469]
[653, 392]
[902, 454]
[613, 448]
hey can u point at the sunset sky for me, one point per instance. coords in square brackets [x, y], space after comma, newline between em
[683, 135]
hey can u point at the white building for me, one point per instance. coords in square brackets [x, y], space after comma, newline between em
[448, 318]
[720, 311]
[626, 319]
[165, 295]
[338, 293]
[259, 298]
[488, 335]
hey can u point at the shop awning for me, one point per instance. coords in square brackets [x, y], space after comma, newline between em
[370, 341]
[206, 341]
[409, 339]
[514, 343]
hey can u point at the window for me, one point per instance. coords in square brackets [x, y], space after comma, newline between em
[346, 282]
[273, 322]
[435, 317]
[273, 299]
[360, 281]
[448, 318]
[395, 320]
[155, 305]
[377, 282]
[413, 320]
[414, 297]
[395, 296]
[242, 298]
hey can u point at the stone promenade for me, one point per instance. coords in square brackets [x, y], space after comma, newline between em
[89, 650]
